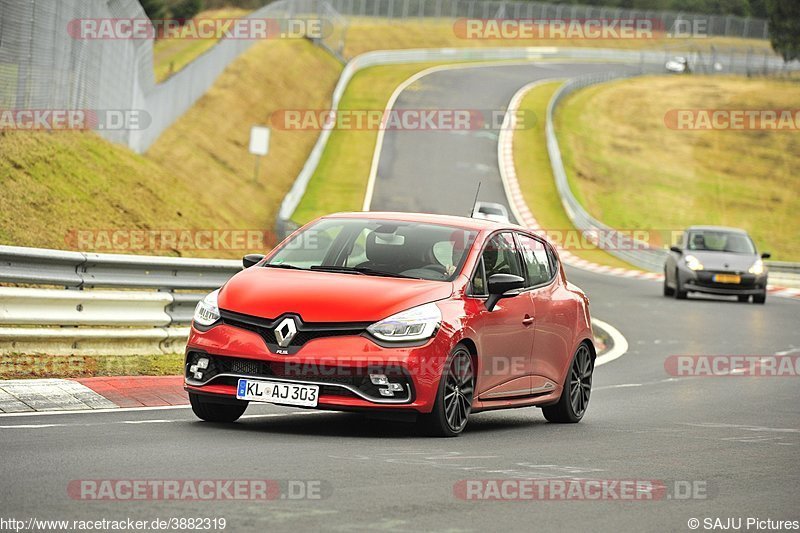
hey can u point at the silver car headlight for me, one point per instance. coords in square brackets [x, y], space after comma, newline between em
[207, 311]
[757, 268]
[413, 324]
[693, 263]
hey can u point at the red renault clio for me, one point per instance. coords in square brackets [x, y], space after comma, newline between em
[436, 316]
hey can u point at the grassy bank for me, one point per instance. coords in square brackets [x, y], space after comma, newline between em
[532, 166]
[199, 175]
[631, 171]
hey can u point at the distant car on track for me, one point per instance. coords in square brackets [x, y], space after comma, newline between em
[429, 315]
[716, 260]
[490, 211]
[677, 65]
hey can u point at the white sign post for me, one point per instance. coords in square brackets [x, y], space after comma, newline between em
[259, 145]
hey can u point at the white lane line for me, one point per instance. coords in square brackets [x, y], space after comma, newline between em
[645, 384]
[33, 426]
[376, 154]
[303, 413]
[620, 343]
[622, 386]
[104, 410]
[156, 421]
[743, 427]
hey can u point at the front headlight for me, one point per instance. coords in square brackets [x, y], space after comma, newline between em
[414, 324]
[693, 263]
[757, 268]
[207, 310]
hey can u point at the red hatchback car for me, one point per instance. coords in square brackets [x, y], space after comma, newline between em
[435, 316]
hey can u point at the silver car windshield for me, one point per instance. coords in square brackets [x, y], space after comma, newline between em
[721, 241]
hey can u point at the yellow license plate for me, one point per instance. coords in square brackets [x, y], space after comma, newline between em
[727, 278]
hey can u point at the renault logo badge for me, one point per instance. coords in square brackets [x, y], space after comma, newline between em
[285, 332]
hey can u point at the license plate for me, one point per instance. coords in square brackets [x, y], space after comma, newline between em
[273, 392]
[727, 278]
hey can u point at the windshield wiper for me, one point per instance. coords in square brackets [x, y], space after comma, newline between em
[359, 270]
[282, 265]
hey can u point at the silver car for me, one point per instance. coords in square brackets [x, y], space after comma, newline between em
[491, 211]
[716, 260]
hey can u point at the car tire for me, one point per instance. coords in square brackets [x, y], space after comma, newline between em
[680, 294]
[574, 400]
[744, 298]
[668, 291]
[216, 412]
[760, 298]
[453, 404]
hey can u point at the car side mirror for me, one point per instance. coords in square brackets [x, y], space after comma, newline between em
[499, 285]
[766, 255]
[676, 249]
[252, 259]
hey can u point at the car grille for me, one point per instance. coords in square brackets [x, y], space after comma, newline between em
[328, 377]
[706, 279]
[306, 331]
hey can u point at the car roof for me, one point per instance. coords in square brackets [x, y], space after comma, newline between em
[477, 224]
[717, 228]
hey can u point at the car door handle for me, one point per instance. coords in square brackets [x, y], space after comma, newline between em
[527, 321]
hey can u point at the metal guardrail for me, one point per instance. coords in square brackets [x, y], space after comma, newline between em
[637, 254]
[78, 270]
[179, 284]
[115, 314]
[92, 341]
[47, 307]
[783, 267]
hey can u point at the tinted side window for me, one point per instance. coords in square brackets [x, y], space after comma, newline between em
[536, 259]
[500, 256]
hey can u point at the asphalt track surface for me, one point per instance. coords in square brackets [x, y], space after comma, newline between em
[738, 437]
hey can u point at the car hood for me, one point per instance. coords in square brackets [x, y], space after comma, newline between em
[325, 296]
[725, 261]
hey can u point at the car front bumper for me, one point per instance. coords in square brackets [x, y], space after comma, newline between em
[339, 366]
[703, 281]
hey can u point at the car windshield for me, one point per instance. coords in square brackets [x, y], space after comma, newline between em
[721, 241]
[378, 248]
